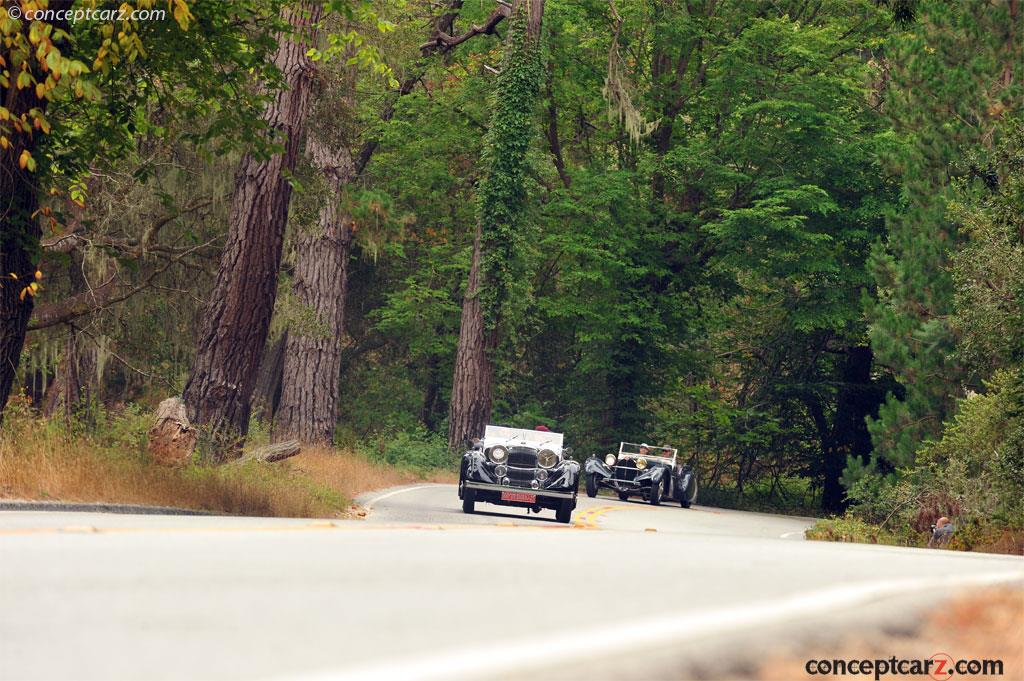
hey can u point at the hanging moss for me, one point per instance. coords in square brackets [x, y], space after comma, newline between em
[502, 195]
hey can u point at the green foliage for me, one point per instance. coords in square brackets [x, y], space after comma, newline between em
[416, 449]
[972, 475]
[501, 197]
[988, 271]
[947, 102]
[849, 528]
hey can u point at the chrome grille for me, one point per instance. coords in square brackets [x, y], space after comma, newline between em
[522, 463]
[520, 477]
[522, 458]
[625, 473]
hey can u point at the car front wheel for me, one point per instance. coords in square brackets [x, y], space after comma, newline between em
[592, 485]
[623, 496]
[468, 500]
[689, 493]
[655, 497]
[564, 512]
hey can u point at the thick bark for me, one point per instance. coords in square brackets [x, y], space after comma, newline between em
[237, 320]
[312, 362]
[278, 451]
[310, 374]
[266, 395]
[474, 372]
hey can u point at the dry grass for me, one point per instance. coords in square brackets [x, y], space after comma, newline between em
[351, 474]
[39, 460]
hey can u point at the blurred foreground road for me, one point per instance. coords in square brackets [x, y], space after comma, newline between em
[418, 590]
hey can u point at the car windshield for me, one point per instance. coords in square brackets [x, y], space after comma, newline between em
[630, 450]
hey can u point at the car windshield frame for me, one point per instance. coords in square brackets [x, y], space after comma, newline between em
[666, 454]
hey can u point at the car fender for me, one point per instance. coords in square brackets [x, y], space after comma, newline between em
[597, 467]
[683, 479]
[566, 474]
[473, 465]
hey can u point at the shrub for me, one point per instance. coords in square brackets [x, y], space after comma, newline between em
[973, 474]
[416, 448]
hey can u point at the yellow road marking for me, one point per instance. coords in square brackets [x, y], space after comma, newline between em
[587, 520]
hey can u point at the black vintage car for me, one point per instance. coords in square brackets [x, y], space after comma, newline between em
[523, 468]
[653, 473]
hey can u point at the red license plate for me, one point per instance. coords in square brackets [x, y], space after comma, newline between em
[519, 496]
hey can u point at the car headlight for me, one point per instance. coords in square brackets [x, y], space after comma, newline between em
[497, 454]
[609, 460]
[546, 458]
[641, 463]
[542, 475]
[500, 470]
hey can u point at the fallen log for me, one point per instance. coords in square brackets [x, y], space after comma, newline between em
[271, 453]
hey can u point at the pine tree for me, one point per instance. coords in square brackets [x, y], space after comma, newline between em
[952, 82]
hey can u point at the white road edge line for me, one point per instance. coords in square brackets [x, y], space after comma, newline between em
[787, 535]
[392, 493]
[561, 649]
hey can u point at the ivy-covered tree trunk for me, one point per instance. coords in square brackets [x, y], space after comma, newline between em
[236, 322]
[500, 205]
[312, 360]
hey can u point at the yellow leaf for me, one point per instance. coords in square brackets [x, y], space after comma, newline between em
[23, 159]
[39, 275]
[4, 143]
[40, 90]
[21, 296]
[13, 275]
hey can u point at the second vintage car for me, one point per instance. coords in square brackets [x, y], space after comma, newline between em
[522, 468]
[653, 473]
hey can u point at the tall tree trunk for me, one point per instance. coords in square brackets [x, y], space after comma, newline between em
[19, 240]
[500, 206]
[474, 373]
[237, 320]
[310, 382]
[312, 361]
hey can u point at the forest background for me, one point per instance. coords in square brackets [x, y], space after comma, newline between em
[785, 237]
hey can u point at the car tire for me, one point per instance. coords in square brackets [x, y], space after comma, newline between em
[564, 512]
[468, 500]
[623, 496]
[689, 495]
[655, 495]
[591, 483]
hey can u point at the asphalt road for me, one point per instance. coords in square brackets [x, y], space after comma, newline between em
[418, 590]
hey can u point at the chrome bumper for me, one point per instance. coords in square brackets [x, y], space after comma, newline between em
[522, 490]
